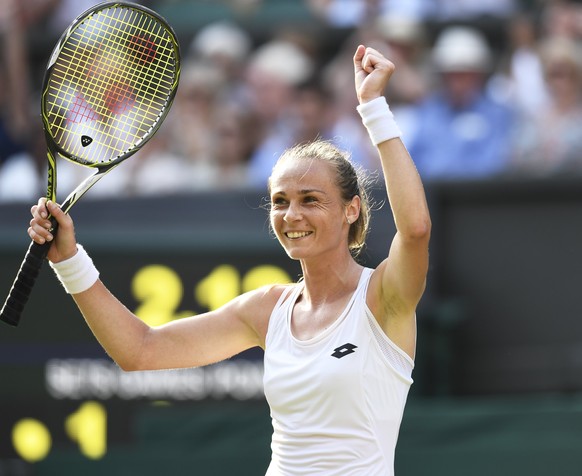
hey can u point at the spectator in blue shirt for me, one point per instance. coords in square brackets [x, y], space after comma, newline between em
[461, 131]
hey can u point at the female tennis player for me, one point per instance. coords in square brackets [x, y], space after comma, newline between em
[339, 345]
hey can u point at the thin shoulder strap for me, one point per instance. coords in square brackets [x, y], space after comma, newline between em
[284, 295]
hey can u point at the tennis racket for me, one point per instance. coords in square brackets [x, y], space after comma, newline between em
[109, 84]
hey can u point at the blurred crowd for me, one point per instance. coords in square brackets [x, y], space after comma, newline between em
[483, 88]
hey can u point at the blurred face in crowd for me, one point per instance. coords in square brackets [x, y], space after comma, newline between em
[462, 86]
[270, 94]
[310, 107]
[562, 63]
[235, 139]
[563, 80]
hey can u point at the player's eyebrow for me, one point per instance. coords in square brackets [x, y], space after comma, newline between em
[305, 191]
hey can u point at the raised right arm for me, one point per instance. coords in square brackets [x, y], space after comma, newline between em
[132, 344]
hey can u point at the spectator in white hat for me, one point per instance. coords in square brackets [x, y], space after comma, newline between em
[462, 132]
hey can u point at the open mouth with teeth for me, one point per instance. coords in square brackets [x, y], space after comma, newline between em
[293, 235]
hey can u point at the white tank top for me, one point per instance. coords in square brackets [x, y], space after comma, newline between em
[337, 399]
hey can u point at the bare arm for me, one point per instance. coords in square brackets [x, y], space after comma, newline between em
[194, 341]
[189, 342]
[399, 281]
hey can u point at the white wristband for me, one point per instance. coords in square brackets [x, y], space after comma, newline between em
[78, 273]
[379, 120]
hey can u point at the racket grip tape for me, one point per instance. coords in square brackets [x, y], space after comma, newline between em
[24, 282]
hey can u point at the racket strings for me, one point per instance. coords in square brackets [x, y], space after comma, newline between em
[120, 60]
[111, 82]
[103, 77]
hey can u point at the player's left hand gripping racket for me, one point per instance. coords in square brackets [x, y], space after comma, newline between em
[108, 86]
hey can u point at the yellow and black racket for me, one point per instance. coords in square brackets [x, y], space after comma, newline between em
[108, 86]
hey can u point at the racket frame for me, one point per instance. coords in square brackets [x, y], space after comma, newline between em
[30, 268]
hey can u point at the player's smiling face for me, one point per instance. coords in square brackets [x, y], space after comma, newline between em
[307, 212]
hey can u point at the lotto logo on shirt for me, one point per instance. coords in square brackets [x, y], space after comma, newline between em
[344, 350]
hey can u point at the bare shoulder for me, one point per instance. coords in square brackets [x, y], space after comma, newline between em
[256, 307]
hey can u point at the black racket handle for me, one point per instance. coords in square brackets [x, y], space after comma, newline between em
[25, 279]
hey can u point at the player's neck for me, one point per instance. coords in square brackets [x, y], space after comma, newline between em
[325, 280]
